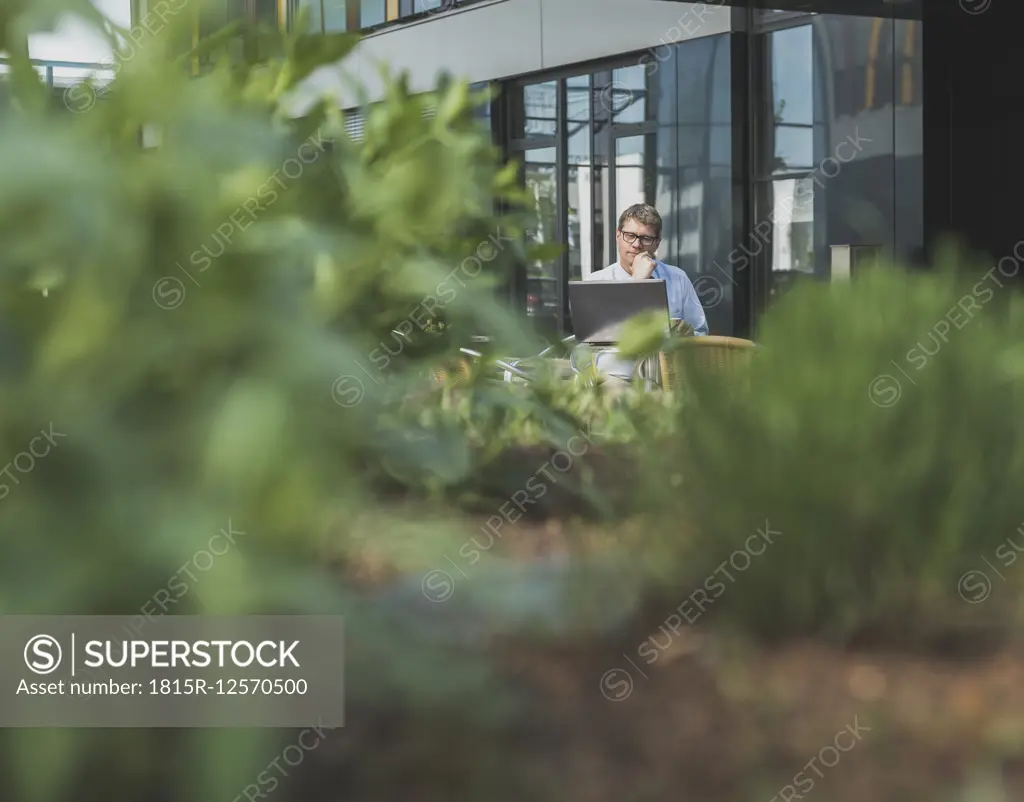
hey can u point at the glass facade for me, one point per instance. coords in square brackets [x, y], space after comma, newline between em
[652, 130]
[838, 149]
[372, 13]
[761, 148]
[334, 16]
[757, 171]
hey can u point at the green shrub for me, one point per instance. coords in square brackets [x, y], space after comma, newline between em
[509, 428]
[881, 435]
[190, 349]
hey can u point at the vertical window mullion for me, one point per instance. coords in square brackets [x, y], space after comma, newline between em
[561, 199]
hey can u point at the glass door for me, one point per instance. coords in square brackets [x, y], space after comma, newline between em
[785, 192]
[533, 121]
[587, 146]
[625, 141]
[836, 133]
[635, 179]
[579, 180]
[543, 278]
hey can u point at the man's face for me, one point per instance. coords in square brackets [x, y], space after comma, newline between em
[644, 240]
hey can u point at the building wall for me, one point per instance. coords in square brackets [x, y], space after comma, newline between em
[839, 144]
[597, 137]
[512, 37]
[745, 232]
[974, 121]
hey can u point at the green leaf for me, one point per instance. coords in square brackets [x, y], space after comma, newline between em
[27, 86]
[454, 103]
[310, 52]
[643, 335]
[215, 44]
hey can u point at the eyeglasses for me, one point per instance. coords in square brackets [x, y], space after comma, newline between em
[630, 238]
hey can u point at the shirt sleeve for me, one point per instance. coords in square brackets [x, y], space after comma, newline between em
[693, 312]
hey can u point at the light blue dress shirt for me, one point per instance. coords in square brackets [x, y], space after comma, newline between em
[683, 303]
[682, 297]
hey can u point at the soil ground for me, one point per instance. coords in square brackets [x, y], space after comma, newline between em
[710, 719]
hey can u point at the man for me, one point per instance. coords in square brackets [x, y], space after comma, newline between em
[638, 237]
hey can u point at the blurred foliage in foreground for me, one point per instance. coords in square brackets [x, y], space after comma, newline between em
[217, 344]
[881, 434]
[205, 299]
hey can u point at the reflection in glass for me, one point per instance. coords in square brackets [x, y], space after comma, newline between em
[371, 12]
[767, 15]
[580, 231]
[335, 11]
[678, 156]
[792, 75]
[265, 11]
[626, 96]
[543, 292]
[691, 207]
[794, 149]
[533, 110]
[483, 112]
[792, 98]
[604, 209]
[792, 237]
[908, 181]
[316, 23]
[857, 81]
[635, 178]
[703, 174]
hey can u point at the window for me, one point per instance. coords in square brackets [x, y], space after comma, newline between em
[532, 111]
[785, 244]
[596, 142]
[838, 153]
[352, 15]
[335, 14]
[792, 99]
[371, 13]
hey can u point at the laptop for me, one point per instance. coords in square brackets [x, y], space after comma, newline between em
[600, 308]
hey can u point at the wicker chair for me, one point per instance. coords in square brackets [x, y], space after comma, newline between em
[458, 371]
[722, 356]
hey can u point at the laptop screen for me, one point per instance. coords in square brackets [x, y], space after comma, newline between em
[599, 309]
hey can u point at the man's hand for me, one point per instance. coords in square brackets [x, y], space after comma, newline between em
[643, 266]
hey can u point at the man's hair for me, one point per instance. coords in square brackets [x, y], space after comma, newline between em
[643, 213]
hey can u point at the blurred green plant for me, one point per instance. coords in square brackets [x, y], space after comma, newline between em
[496, 418]
[206, 294]
[643, 335]
[218, 343]
[880, 432]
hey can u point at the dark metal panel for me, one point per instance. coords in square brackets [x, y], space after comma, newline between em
[908, 9]
[596, 252]
[562, 200]
[742, 153]
[758, 150]
[603, 175]
[500, 122]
